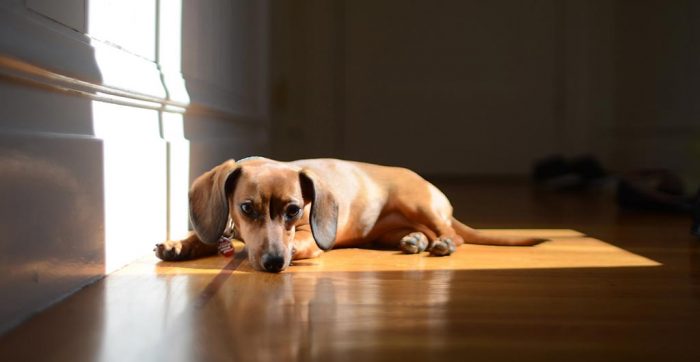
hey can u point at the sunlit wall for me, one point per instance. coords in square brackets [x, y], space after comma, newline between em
[138, 51]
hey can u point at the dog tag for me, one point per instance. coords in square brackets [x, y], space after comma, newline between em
[226, 247]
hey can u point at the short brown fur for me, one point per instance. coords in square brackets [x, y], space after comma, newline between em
[340, 204]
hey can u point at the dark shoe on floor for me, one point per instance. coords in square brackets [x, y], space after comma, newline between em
[558, 173]
[653, 190]
[695, 228]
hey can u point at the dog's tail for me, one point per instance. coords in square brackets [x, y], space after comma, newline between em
[472, 236]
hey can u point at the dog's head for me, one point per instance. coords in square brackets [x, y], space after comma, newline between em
[266, 200]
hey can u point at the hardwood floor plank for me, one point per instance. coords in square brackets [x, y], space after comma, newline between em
[630, 291]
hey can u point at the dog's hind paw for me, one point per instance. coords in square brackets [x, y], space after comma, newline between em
[413, 243]
[442, 247]
[169, 250]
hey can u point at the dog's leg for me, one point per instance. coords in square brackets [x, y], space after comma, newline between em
[446, 243]
[305, 246]
[186, 249]
[443, 246]
[413, 243]
[428, 217]
[443, 239]
[407, 240]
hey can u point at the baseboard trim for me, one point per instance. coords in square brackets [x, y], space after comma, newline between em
[23, 72]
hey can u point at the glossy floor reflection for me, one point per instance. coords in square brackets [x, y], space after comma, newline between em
[635, 296]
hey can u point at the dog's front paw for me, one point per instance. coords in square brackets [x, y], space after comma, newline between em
[169, 251]
[413, 243]
[442, 247]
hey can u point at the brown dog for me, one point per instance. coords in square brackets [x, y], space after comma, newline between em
[296, 210]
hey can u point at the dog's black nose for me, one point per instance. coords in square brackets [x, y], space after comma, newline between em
[273, 263]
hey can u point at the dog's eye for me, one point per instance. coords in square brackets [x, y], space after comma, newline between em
[293, 211]
[247, 208]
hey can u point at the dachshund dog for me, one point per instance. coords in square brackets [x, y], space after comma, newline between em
[285, 211]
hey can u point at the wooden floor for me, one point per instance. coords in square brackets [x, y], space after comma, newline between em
[610, 286]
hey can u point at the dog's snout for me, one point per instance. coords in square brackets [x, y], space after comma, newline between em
[273, 263]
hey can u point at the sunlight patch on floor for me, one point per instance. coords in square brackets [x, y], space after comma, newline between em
[559, 253]
[567, 249]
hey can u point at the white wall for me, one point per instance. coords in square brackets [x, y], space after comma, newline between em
[225, 63]
[487, 87]
[657, 85]
[306, 64]
[449, 87]
[109, 109]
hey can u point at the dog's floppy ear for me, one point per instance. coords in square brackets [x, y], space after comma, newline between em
[324, 209]
[209, 201]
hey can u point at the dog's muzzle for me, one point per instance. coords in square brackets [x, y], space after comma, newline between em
[273, 263]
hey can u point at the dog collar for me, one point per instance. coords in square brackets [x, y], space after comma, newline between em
[226, 247]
